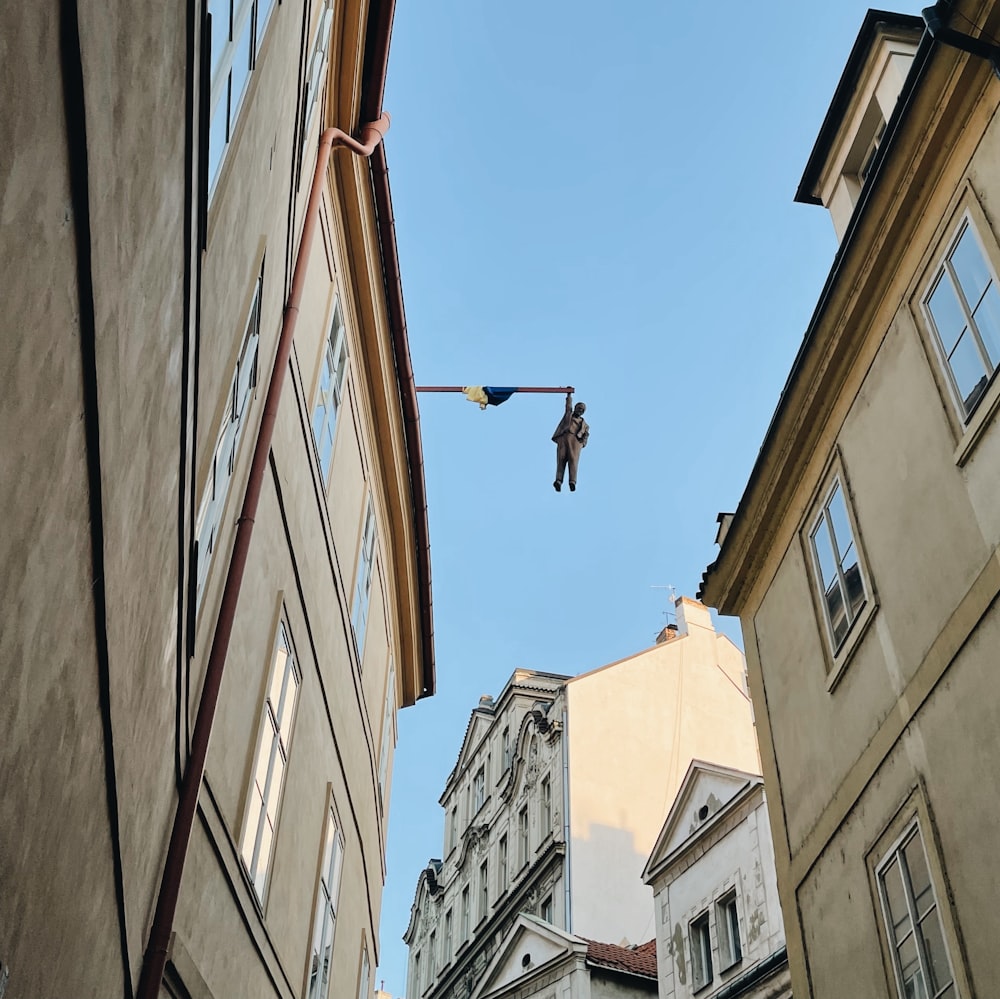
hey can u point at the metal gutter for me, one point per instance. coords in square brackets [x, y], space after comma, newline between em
[744, 983]
[380, 20]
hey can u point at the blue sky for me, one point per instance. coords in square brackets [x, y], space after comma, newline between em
[597, 195]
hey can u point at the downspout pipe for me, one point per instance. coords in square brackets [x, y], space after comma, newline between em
[155, 958]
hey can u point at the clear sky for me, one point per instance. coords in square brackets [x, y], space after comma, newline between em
[599, 195]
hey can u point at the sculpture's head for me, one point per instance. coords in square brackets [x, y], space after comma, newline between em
[579, 409]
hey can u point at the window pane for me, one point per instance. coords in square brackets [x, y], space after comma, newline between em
[987, 318]
[219, 12]
[909, 967]
[939, 973]
[259, 872]
[967, 367]
[835, 609]
[970, 268]
[855, 584]
[892, 879]
[241, 65]
[264, 8]
[948, 315]
[843, 536]
[824, 553]
[920, 879]
[217, 135]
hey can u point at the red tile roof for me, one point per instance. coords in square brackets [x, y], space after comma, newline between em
[639, 960]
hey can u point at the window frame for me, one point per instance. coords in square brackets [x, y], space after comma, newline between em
[364, 577]
[216, 493]
[466, 913]
[914, 813]
[944, 269]
[327, 903]
[388, 734]
[258, 799]
[329, 399]
[364, 976]
[727, 930]
[523, 837]
[545, 910]
[484, 890]
[479, 790]
[966, 431]
[448, 941]
[545, 805]
[243, 15]
[503, 861]
[700, 941]
[836, 656]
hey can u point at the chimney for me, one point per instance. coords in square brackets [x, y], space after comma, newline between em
[691, 612]
[668, 633]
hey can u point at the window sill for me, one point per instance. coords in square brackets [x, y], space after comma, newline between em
[695, 989]
[982, 417]
[851, 643]
[733, 966]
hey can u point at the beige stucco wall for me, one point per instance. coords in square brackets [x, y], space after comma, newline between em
[633, 728]
[58, 914]
[908, 717]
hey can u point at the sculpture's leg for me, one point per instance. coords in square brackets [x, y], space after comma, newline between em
[561, 451]
[574, 461]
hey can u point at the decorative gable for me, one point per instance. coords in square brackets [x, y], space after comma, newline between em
[531, 949]
[705, 790]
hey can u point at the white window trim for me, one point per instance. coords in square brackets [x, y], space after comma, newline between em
[702, 972]
[278, 722]
[241, 393]
[911, 831]
[242, 14]
[324, 923]
[319, 58]
[364, 578]
[836, 658]
[328, 402]
[364, 978]
[942, 270]
[388, 733]
[732, 953]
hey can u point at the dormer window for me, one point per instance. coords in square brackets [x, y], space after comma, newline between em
[871, 151]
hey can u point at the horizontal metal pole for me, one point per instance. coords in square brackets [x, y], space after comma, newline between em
[460, 388]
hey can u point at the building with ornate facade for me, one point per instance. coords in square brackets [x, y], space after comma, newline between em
[560, 788]
[863, 558]
[217, 586]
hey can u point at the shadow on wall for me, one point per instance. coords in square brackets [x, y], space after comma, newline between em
[610, 901]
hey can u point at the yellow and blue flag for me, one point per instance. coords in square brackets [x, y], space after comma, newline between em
[488, 395]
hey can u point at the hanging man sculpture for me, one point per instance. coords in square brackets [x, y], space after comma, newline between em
[570, 437]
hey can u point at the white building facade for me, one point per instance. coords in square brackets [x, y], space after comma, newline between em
[719, 929]
[548, 810]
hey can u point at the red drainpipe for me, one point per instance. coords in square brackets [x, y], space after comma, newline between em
[155, 958]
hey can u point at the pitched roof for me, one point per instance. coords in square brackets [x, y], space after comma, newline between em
[638, 960]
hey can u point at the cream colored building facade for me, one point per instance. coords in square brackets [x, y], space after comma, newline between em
[863, 557]
[719, 930]
[159, 161]
[559, 791]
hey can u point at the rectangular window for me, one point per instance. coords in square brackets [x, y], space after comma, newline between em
[271, 761]
[235, 32]
[415, 988]
[502, 864]
[432, 955]
[964, 309]
[546, 817]
[484, 889]
[546, 909]
[913, 922]
[327, 902]
[333, 374]
[240, 394]
[446, 955]
[364, 983]
[505, 742]
[701, 953]
[365, 574]
[453, 829]
[835, 556]
[478, 790]
[727, 923]
[522, 837]
[316, 70]
[465, 913]
[388, 739]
